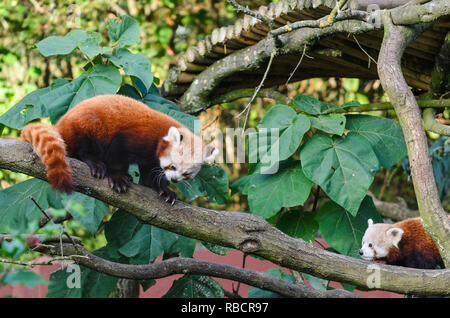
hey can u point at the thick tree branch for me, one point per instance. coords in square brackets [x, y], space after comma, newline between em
[396, 39]
[192, 266]
[243, 231]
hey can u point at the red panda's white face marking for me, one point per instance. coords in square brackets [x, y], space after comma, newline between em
[378, 239]
[184, 155]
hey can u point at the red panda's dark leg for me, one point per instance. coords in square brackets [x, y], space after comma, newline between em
[153, 176]
[91, 151]
[117, 160]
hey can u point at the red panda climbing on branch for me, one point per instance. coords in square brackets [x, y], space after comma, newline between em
[110, 132]
[403, 243]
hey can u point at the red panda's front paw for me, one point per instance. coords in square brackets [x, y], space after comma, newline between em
[98, 170]
[119, 184]
[168, 195]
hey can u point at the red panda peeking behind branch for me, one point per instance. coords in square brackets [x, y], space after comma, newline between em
[110, 132]
[403, 243]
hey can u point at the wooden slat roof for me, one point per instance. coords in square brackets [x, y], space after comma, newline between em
[340, 55]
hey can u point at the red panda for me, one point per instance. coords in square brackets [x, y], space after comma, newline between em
[110, 132]
[403, 243]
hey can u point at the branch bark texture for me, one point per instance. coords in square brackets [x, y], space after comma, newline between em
[246, 232]
[193, 266]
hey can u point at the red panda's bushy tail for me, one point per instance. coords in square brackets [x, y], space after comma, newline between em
[50, 147]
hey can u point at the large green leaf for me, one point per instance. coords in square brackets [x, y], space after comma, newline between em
[343, 167]
[92, 284]
[124, 31]
[148, 243]
[291, 128]
[343, 231]
[195, 286]
[142, 243]
[385, 135]
[30, 107]
[333, 123]
[298, 224]
[267, 194]
[27, 109]
[314, 106]
[18, 210]
[61, 45]
[90, 46]
[99, 80]
[21, 277]
[133, 64]
[211, 181]
[91, 213]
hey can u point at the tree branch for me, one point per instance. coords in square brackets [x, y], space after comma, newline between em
[197, 97]
[430, 123]
[181, 265]
[243, 231]
[435, 221]
[394, 211]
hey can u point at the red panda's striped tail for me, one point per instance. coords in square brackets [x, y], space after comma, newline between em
[50, 147]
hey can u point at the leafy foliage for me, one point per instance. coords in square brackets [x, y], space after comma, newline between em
[317, 146]
[128, 241]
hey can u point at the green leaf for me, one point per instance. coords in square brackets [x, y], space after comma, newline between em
[17, 209]
[134, 65]
[147, 244]
[125, 31]
[99, 80]
[61, 45]
[216, 249]
[142, 243]
[316, 282]
[90, 46]
[343, 167]
[27, 109]
[291, 128]
[92, 284]
[385, 135]
[92, 211]
[211, 181]
[185, 119]
[298, 224]
[119, 230]
[343, 231]
[195, 286]
[254, 292]
[333, 123]
[27, 278]
[313, 106]
[288, 187]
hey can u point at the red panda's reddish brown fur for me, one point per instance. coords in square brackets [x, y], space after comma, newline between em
[50, 147]
[102, 117]
[414, 241]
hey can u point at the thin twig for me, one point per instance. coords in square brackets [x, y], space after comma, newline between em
[247, 108]
[370, 58]
[298, 64]
[39, 207]
[252, 13]
[46, 262]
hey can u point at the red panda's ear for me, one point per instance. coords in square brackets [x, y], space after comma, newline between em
[395, 235]
[173, 136]
[370, 222]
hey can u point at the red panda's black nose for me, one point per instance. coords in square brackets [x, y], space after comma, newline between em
[361, 252]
